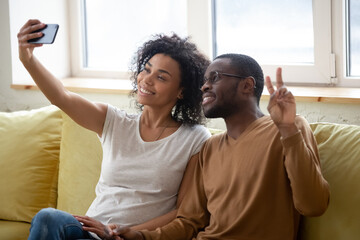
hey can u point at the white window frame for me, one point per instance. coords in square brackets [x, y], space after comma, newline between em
[317, 73]
[197, 18]
[329, 50]
[322, 71]
[339, 44]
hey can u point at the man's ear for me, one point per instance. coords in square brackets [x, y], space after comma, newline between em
[248, 85]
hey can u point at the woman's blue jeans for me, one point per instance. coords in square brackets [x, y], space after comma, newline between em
[53, 224]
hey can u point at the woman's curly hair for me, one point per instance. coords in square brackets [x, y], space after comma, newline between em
[193, 65]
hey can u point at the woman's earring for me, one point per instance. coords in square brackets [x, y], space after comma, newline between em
[180, 95]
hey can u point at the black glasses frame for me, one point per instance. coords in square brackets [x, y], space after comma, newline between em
[216, 77]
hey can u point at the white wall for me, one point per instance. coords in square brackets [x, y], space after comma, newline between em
[53, 11]
[13, 14]
[12, 70]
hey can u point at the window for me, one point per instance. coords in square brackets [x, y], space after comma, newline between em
[304, 37]
[112, 31]
[286, 33]
[345, 26]
[282, 35]
[353, 37]
[115, 29]
[106, 33]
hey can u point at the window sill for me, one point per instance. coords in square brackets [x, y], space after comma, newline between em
[90, 85]
[323, 94]
[302, 94]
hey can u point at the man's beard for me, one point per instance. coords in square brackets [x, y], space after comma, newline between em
[218, 111]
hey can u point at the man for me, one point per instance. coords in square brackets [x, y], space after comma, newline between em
[256, 179]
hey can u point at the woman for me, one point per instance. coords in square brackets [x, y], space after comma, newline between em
[142, 179]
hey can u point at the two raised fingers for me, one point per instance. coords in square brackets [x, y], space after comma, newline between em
[279, 82]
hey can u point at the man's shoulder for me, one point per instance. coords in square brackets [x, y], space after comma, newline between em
[216, 138]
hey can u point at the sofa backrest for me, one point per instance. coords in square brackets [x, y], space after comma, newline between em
[79, 168]
[339, 149]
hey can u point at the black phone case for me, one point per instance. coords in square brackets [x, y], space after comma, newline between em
[49, 34]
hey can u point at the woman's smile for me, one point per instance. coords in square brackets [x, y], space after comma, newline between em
[145, 91]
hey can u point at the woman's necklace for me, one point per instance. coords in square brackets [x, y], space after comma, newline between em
[162, 131]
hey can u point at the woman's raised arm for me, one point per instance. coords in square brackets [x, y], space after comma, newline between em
[86, 113]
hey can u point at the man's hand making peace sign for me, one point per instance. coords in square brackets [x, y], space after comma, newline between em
[282, 106]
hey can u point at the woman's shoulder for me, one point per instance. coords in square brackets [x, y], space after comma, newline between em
[116, 112]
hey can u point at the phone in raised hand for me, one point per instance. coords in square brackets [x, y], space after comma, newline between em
[49, 34]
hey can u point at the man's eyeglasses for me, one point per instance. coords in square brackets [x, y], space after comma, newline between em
[216, 76]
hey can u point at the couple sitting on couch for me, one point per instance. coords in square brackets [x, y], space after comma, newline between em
[254, 181]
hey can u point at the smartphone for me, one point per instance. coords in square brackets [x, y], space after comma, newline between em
[49, 34]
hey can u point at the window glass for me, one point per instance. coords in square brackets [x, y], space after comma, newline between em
[273, 32]
[114, 29]
[354, 37]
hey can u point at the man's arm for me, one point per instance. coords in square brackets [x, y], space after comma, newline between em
[310, 190]
[185, 185]
[192, 215]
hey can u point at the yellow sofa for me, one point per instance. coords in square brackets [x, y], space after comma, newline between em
[46, 160]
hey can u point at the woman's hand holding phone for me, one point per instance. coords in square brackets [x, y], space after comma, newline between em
[34, 34]
[48, 34]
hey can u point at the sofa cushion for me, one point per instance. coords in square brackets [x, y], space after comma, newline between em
[29, 158]
[339, 149]
[10, 230]
[79, 169]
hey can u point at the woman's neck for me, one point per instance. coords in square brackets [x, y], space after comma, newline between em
[152, 118]
[156, 125]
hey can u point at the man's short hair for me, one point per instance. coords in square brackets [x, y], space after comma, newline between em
[247, 66]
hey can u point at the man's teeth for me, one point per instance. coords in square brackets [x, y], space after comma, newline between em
[206, 99]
